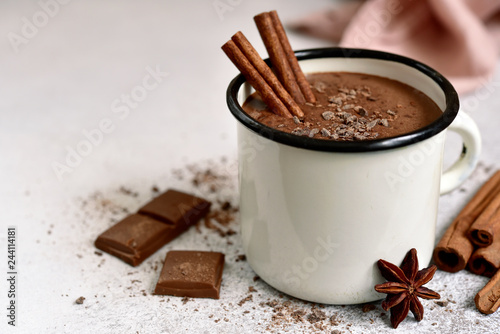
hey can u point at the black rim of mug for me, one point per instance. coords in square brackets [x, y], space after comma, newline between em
[449, 114]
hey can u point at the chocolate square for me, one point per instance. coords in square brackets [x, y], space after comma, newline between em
[177, 208]
[163, 219]
[135, 238]
[191, 274]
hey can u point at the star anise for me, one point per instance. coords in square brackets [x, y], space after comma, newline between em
[404, 286]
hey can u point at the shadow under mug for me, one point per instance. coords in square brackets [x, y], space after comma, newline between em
[316, 215]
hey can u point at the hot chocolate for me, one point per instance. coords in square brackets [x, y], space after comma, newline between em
[352, 106]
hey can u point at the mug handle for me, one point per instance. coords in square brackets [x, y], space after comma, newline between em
[457, 173]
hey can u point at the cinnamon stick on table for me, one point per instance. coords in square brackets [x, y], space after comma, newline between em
[488, 298]
[277, 55]
[486, 260]
[486, 228]
[255, 79]
[265, 71]
[455, 248]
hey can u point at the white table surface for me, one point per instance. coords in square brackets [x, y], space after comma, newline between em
[66, 77]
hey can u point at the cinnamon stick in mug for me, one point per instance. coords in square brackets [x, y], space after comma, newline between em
[277, 55]
[292, 59]
[454, 250]
[265, 71]
[255, 79]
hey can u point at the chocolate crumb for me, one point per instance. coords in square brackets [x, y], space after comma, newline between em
[368, 308]
[361, 111]
[98, 253]
[384, 122]
[371, 124]
[313, 132]
[298, 131]
[298, 315]
[325, 132]
[244, 300]
[335, 100]
[328, 115]
[79, 300]
[256, 278]
[316, 315]
[320, 86]
[441, 303]
[127, 191]
[226, 206]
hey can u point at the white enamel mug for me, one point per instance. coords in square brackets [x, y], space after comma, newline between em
[316, 215]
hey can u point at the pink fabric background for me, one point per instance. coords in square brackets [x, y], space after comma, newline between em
[459, 38]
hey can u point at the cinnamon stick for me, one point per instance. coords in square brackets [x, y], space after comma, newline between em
[486, 260]
[455, 248]
[305, 88]
[260, 65]
[488, 298]
[487, 225]
[255, 79]
[277, 55]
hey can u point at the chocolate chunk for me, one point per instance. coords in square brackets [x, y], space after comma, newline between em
[313, 132]
[298, 131]
[135, 238]
[320, 86]
[351, 119]
[335, 100]
[163, 219]
[325, 132]
[191, 274]
[361, 111]
[328, 115]
[371, 125]
[384, 122]
[176, 208]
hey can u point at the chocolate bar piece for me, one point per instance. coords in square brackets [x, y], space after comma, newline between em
[177, 208]
[191, 274]
[135, 238]
[138, 236]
